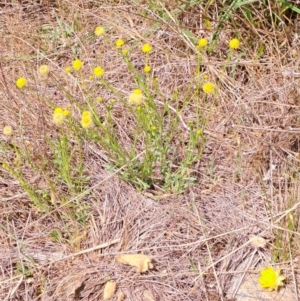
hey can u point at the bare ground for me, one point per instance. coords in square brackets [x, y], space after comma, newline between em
[247, 179]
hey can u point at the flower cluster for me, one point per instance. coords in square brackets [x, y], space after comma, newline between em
[87, 119]
[59, 115]
[136, 97]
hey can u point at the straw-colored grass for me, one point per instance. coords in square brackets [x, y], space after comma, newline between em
[186, 177]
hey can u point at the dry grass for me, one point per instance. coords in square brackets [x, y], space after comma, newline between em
[247, 178]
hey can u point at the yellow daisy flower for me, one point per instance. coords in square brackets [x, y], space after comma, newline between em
[58, 115]
[68, 69]
[234, 44]
[21, 82]
[208, 88]
[120, 43]
[271, 279]
[146, 48]
[202, 43]
[87, 119]
[99, 31]
[98, 71]
[136, 97]
[77, 64]
[7, 130]
[147, 69]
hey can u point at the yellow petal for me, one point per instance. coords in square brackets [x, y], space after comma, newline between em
[109, 290]
[140, 261]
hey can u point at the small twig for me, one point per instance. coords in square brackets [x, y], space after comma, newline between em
[102, 246]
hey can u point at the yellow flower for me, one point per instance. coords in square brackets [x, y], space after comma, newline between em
[44, 69]
[77, 64]
[58, 115]
[202, 43]
[100, 99]
[147, 69]
[120, 43]
[125, 51]
[91, 77]
[98, 71]
[146, 48]
[87, 114]
[208, 88]
[7, 130]
[153, 128]
[136, 97]
[66, 112]
[87, 119]
[270, 278]
[234, 44]
[99, 31]
[68, 69]
[21, 82]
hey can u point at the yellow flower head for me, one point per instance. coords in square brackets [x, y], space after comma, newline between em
[98, 71]
[100, 99]
[270, 278]
[202, 43]
[7, 130]
[66, 112]
[87, 119]
[208, 88]
[68, 69]
[120, 43]
[125, 51]
[21, 82]
[146, 48]
[77, 64]
[153, 128]
[44, 69]
[234, 44]
[58, 115]
[99, 31]
[136, 97]
[147, 69]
